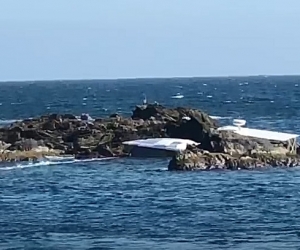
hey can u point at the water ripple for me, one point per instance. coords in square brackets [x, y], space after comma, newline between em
[134, 204]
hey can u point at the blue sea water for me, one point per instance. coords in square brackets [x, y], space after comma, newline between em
[138, 204]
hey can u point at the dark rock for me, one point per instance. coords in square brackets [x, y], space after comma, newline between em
[104, 151]
[55, 117]
[12, 136]
[203, 161]
[120, 136]
[69, 117]
[104, 136]
[86, 155]
[63, 126]
[31, 134]
[49, 125]
[16, 129]
[114, 116]
[145, 112]
[197, 128]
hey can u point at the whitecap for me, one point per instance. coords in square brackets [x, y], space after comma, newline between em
[220, 117]
[209, 96]
[177, 96]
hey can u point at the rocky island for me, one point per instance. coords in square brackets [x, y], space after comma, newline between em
[66, 134]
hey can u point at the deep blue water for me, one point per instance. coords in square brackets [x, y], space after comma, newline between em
[135, 204]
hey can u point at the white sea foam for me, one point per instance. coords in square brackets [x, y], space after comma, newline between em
[59, 158]
[26, 165]
[220, 117]
[9, 121]
[177, 96]
[52, 162]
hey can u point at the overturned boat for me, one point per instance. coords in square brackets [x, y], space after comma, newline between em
[157, 147]
[287, 139]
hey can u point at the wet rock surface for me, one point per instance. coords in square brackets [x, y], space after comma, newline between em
[102, 137]
[192, 160]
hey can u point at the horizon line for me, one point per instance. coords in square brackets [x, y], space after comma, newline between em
[143, 78]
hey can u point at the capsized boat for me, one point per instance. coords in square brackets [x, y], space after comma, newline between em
[157, 147]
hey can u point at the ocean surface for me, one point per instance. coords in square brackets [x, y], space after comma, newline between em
[138, 204]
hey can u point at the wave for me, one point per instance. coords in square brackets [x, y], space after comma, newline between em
[177, 96]
[220, 117]
[52, 162]
[59, 158]
[7, 122]
[16, 103]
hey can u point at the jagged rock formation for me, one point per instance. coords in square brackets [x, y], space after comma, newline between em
[195, 159]
[103, 137]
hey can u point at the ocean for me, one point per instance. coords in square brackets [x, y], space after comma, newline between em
[138, 204]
